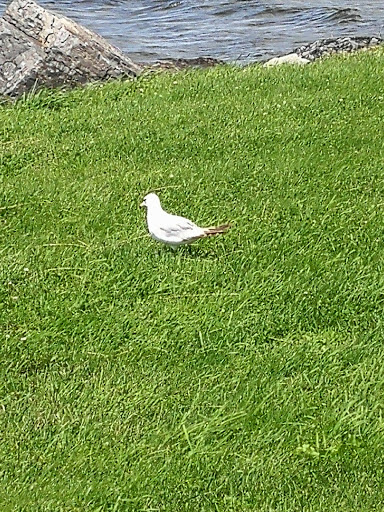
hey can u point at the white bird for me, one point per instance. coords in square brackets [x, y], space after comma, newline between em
[172, 229]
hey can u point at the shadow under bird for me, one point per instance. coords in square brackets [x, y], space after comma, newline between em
[172, 229]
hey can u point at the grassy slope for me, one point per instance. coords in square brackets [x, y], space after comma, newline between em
[241, 374]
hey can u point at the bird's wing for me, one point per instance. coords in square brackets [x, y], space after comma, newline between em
[179, 229]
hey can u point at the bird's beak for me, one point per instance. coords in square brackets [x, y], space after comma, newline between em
[142, 205]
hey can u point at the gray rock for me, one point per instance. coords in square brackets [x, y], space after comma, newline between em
[180, 64]
[325, 47]
[291, 58]
[39, 48]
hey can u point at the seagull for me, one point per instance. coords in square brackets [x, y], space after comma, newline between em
[172, 229]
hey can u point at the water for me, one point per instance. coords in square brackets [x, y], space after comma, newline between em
[232, 30]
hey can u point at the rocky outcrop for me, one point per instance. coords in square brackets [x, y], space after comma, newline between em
[330, 46]
[325, 47]
[40, 48]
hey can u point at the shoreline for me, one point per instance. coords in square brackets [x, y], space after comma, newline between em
[303, 54]
[43, 49]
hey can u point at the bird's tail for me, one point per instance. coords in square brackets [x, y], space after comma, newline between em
[216, 230]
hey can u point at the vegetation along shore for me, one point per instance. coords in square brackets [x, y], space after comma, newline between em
[243, 373]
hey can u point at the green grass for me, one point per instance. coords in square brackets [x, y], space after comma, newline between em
[243, 373]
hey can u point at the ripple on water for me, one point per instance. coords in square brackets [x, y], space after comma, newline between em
[232, 30]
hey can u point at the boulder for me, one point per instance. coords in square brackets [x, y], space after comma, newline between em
[39, 48]
[291, 58]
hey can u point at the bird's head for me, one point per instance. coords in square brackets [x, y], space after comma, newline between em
[150, 200]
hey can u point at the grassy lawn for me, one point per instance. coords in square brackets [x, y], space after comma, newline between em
[243, 373]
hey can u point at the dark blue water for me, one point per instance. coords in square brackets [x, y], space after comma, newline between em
[232, 30]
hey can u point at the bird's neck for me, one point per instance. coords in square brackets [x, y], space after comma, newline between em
[155, 211]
